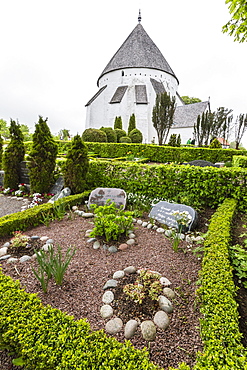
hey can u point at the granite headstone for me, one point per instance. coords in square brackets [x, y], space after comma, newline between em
[162, 212]
[24, 173]
[64, 193]
[58, 186]
[99, 196]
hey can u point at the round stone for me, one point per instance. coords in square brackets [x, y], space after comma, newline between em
[155, 227]
[112, 283]
[130, 270]
[131, 235]
[139, 222]
[165, 304]
[87, 215]
[169, 293]
[35, 237]
[45, 247]
[118, 274]
[91, 240]
[49, 241]
[149, 226]
[114, 326]
[112, 249]
[108, 297]
[3, 251]
[145, 224]
[106, 311]
[161, 319]
[88, 232]
[130, 329]
[96, 245]
[164, 281]
[148, 330]
[168, 233]
[74, 208]
[5, 257]
[12, 260]
[130, 241]
[123, 246]
[7, 244]
[24, 259]
[44, 238]
[188, 239]
[105, 247]
[160, 230]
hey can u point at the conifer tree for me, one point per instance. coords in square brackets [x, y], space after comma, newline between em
[118, 123]
[76, 166]
[1, 151]
[132, 123]
[42, 158]
[13, 155]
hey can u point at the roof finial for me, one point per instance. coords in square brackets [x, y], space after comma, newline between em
[139, 16]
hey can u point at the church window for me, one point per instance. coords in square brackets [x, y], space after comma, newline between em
[122, 73]
[141, 94]
[118, 95]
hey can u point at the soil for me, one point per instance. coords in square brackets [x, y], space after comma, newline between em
[81, 292]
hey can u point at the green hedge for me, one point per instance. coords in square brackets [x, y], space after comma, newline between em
[45, 338]
[192, 185]
[219, 325]
[239, 161]
[155, 153]
[34, 216]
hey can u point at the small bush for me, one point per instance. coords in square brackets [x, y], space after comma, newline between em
[93, 135]
[136, 136]
[215, 144]
[125, 139]
[110, 133]
[120, 133]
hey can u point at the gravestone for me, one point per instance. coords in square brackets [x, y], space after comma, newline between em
[58, 186]
[24, 173]
[201, 163]
[162, 212]
[64, 193]
[99, 196]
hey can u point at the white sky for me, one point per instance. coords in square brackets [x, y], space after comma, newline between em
[53, 51]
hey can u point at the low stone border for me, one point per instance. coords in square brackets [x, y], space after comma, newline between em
[148, 327]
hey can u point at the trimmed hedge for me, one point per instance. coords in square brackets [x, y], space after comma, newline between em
[34, 216]
[239, 161]
[46, 338]
[192, 185]
[219, 326]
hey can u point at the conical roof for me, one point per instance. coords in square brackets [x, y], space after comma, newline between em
[138, 51]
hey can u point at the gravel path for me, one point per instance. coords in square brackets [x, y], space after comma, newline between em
[10, 205]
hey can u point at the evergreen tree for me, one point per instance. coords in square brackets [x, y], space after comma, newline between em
[178, 143]
[163, 113]
[42, 158]
[76, 166]
[132, 123]
[173, 140]
[13, 155]
[118, 123]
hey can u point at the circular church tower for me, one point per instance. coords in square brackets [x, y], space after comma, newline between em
[129, 84]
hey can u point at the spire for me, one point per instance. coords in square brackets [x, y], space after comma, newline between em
[139, 16]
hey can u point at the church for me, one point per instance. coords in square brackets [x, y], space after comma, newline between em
[136, 73]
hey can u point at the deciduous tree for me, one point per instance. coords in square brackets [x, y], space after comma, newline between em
[240, 128]
[190, 100]
[163, 112]
[237, 25]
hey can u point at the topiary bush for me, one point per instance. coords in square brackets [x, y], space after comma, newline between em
[136, 136]
[132, 123]
[125, 139]
[13, 155]
[110, 133]
[76, 166]
[93, 135]
[173, 140]
[118, 123]
[120, 133]
[42, 158]
[215, 144]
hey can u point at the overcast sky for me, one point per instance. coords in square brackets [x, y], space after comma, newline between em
[53, 51]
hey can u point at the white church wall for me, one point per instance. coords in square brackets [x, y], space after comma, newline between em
[186, 133]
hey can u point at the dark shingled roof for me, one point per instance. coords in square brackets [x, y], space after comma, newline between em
[186, 115]
[138, 51]
[158, 86]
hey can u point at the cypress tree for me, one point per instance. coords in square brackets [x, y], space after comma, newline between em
[118, 123]
[42, 158]
[13, 155]
[76, 166]
[132, 123]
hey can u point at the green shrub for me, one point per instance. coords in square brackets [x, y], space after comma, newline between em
[125, 139]
[118, 123]
[239, 161]
[173, 140]
[215, 144]
[132, 123]
[111, 222]
[120, 133]
[1, 151]
[110, 133]
[136, 136]
[42, 158]
[94, 135]
[76, 166]
[219, 323]
[13, 155]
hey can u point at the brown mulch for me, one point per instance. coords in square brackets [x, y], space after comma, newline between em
[81, 292]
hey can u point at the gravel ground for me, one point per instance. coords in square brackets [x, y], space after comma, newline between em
[10, 205]
[81, 293]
